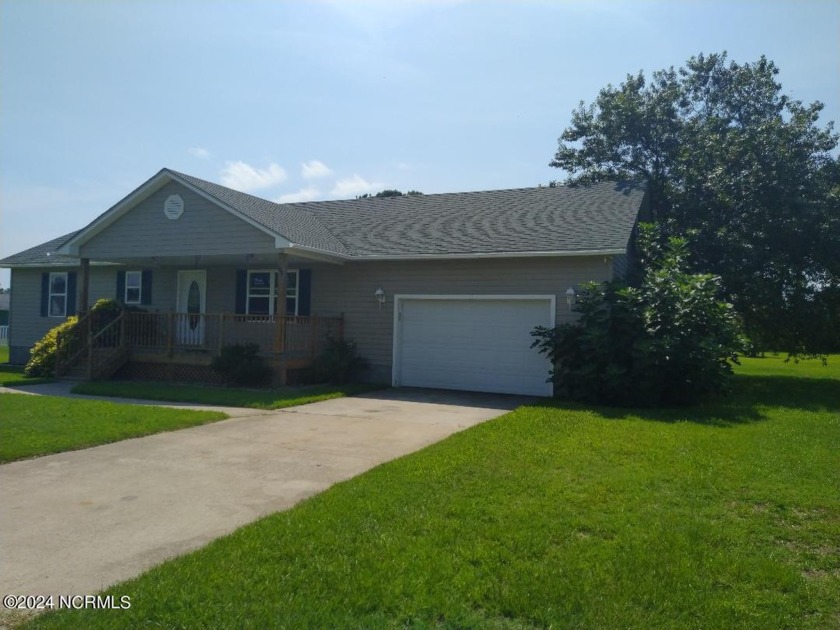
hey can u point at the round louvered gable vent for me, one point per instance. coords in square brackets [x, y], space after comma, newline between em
[173, 207]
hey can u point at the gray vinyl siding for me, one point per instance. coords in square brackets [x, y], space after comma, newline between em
[26, 326]
[349, 289]
[221, 289]
[337, 289]
[621, 266]
[204, 229]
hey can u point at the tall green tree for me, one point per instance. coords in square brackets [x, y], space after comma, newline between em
[748, 171]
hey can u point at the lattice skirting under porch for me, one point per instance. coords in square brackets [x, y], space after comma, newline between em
[171, 372]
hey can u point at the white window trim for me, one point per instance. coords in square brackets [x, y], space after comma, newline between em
[296, 296]
[50, 293]
[272, 291]
[139, 288]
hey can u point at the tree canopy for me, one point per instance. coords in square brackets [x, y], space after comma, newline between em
[743, 168]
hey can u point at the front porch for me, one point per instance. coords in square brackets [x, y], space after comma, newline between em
[175, 342]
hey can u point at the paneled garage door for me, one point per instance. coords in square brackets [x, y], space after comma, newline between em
[475, 343]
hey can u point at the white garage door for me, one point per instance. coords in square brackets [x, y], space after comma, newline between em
[477, 343]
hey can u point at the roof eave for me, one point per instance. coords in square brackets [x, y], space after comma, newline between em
[481, 255]
[63, 263]
[315, 254]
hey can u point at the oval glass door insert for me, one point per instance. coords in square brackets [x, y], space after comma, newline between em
[194, 304]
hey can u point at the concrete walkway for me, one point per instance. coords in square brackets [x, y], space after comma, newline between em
[75, 523]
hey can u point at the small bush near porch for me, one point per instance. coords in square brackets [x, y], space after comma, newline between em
[240, 365]
[725, 515]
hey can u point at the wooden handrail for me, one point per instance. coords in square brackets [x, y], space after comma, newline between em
[83, 334]
[113, 336]
[62, 339]
[169, 332]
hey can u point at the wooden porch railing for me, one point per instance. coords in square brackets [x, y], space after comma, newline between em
[210, 332]
[95, 343]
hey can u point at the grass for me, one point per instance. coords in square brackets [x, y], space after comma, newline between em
[778, 366]
[720, 516]
[40, 425]
[228, 397]
[13, 374]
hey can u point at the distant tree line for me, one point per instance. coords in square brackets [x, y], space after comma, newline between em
[390, 193]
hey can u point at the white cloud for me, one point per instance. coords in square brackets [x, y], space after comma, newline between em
[352, 186]
[199, 152]
[244, 177]
[304, 194]
[313, 169]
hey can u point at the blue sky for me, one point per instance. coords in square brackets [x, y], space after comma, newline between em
[319, 100]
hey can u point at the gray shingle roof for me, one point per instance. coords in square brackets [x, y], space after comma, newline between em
[599, 217]
[576, 219]
[43, 254]
[570, 219]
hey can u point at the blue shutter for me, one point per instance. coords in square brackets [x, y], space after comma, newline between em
[241, 290]
[304, 291]
[71, 293]
[45, 293]
[146, 287]
[121, 287]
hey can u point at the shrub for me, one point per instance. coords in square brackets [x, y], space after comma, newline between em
[240, 364]
[668, 341]
[339, 362]
[104, 312]
[43, 355]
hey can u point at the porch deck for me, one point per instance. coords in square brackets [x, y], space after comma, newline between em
[207, 333]
[185, 339]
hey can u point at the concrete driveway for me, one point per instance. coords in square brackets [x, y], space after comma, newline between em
[75, 523]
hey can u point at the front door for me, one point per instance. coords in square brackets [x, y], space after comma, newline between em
[192, 299]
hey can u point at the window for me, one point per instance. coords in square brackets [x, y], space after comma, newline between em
[261, 298]
[133, 286]
[58, 295]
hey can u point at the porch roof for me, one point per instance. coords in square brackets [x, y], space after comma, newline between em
[43, 255]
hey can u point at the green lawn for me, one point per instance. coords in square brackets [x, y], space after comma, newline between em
[229, 397]
[13, 374]
[721, 516]
[778, 366]
[38, 425]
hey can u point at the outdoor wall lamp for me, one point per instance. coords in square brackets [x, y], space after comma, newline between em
[380, 296]
[570, 297]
